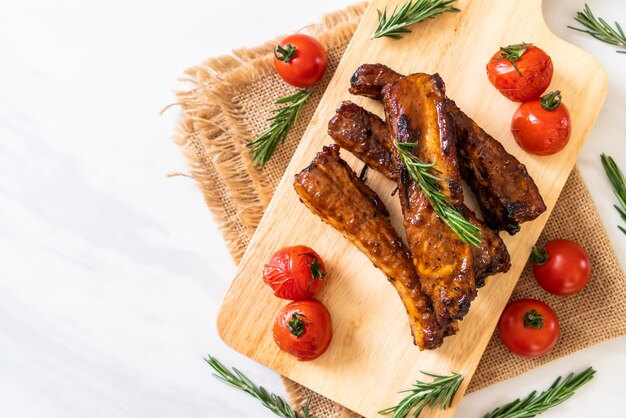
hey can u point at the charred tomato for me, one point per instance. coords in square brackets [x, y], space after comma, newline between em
[520, 72]
[295, 272]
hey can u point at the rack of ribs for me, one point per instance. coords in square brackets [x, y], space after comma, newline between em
[332, 191]
[437, 274]
[506, 193]
[416, 112]
[365, 135]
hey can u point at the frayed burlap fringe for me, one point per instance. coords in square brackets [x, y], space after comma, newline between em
[227, 106]
[212, 138]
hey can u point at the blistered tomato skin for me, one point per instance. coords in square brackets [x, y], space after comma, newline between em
[303, 329]
[295, 272]
[526, 80]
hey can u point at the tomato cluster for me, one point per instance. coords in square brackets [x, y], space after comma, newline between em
[522, 72]
[529, 327]
[541, 125]
[303, 327]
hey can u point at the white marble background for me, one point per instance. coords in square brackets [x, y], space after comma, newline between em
[110, 273]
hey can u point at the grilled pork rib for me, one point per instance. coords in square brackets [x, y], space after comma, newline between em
[369, 79]
[416, 112]
[505, 191]
[507, 195]
[366, 135]
[332, 191]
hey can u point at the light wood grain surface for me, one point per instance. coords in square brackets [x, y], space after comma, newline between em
[372, 347]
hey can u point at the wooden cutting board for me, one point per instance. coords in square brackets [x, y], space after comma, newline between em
[372, 355]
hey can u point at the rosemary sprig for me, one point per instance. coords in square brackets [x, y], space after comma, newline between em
[426, 177]
[436, 394]
[619, 185]
[273, 402]
[599, 29]
[395, 26]
[265, 144]
[533, 404]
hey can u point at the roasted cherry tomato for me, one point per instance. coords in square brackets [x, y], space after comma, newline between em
[295, 272]
[300, 60]
[562, 267]
[520, 72]
[303, 329]
[542, 126]
[528, 328]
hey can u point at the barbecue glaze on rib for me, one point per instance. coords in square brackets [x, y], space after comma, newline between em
[366, 135]
[332, 191]
[505, 191]
[416, 112]
[507, 194]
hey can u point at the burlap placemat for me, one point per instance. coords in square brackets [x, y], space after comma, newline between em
[231, 98]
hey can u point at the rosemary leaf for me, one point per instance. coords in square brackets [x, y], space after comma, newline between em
[616, 177]
[599, 29]
[436, 394]
[262, 148]
[273, 402]
[533, 404]
[426, 177]
[395, 25]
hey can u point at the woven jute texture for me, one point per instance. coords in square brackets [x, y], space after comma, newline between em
[228, 104]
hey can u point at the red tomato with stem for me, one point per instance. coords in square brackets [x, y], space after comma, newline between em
[295, 272]
[300, 60]
[520, 72]
[303, 328]
[542, 126]
[528, 328]
[562, 267]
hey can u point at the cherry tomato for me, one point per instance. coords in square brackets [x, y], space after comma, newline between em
[528, 328]
[520, 72]
[542, 126]
[562, 268]
[303, 329]
[300, 60]
[295, 273]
